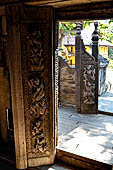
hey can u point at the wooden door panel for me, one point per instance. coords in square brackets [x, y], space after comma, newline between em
[36, 43]
[37, 82]
[36, 60]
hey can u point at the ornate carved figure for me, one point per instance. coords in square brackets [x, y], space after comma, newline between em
[89, 84]
[36, 51]
[36, 97]
[38, 140]
[37, 111]
[38, 105]
[87, 73]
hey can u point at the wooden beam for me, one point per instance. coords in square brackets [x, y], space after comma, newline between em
[54, 3]
[81, 162]
[66, 3]
[51, 2]
[101, 10]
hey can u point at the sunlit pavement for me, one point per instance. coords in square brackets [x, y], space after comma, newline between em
[86, 135]
[105, 102]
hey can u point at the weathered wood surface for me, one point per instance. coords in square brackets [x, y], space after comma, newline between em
[30, 63]
[4, 78]
[61, 3]
[54, 3]
[4, 104]
[89, 136]
[86, 71]
[7, 161]
[2, 10]
[100, 10]
[38, 87]
[81, 162]
[95, 54]
[67, 83]
[16, 87]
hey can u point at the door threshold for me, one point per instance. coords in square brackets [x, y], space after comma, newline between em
[80, 161]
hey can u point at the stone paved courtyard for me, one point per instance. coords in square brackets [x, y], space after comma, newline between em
[87, 135]
[105, 101]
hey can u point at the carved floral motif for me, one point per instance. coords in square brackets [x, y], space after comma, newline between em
[89, 84]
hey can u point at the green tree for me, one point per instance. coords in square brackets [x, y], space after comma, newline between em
[105, 29]
[66, 28]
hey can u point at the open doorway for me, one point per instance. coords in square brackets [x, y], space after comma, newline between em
[86, 135]
[106, 68]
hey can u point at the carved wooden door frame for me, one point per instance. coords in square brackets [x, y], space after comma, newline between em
[31, 66]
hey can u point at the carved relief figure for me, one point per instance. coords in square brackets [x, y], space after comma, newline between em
[89, 83]
[36, 58]
[37, 112]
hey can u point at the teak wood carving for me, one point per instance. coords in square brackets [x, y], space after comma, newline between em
[31, 71]
[36, 96]
[87, 81]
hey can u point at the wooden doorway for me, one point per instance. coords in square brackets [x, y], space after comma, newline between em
[20, 83]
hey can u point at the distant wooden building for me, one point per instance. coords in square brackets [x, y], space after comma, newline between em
[104, 47]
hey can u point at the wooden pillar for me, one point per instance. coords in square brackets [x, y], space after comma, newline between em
[78, 54]
[95, 53]
[95, 39]
[15, 69]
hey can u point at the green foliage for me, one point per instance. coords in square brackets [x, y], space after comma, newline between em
[110, 59]
[110, 65]
[67, 27]
[105, 28]
[110, 21]
[86, 24]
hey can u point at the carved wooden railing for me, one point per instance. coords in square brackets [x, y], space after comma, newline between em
[87, 74]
